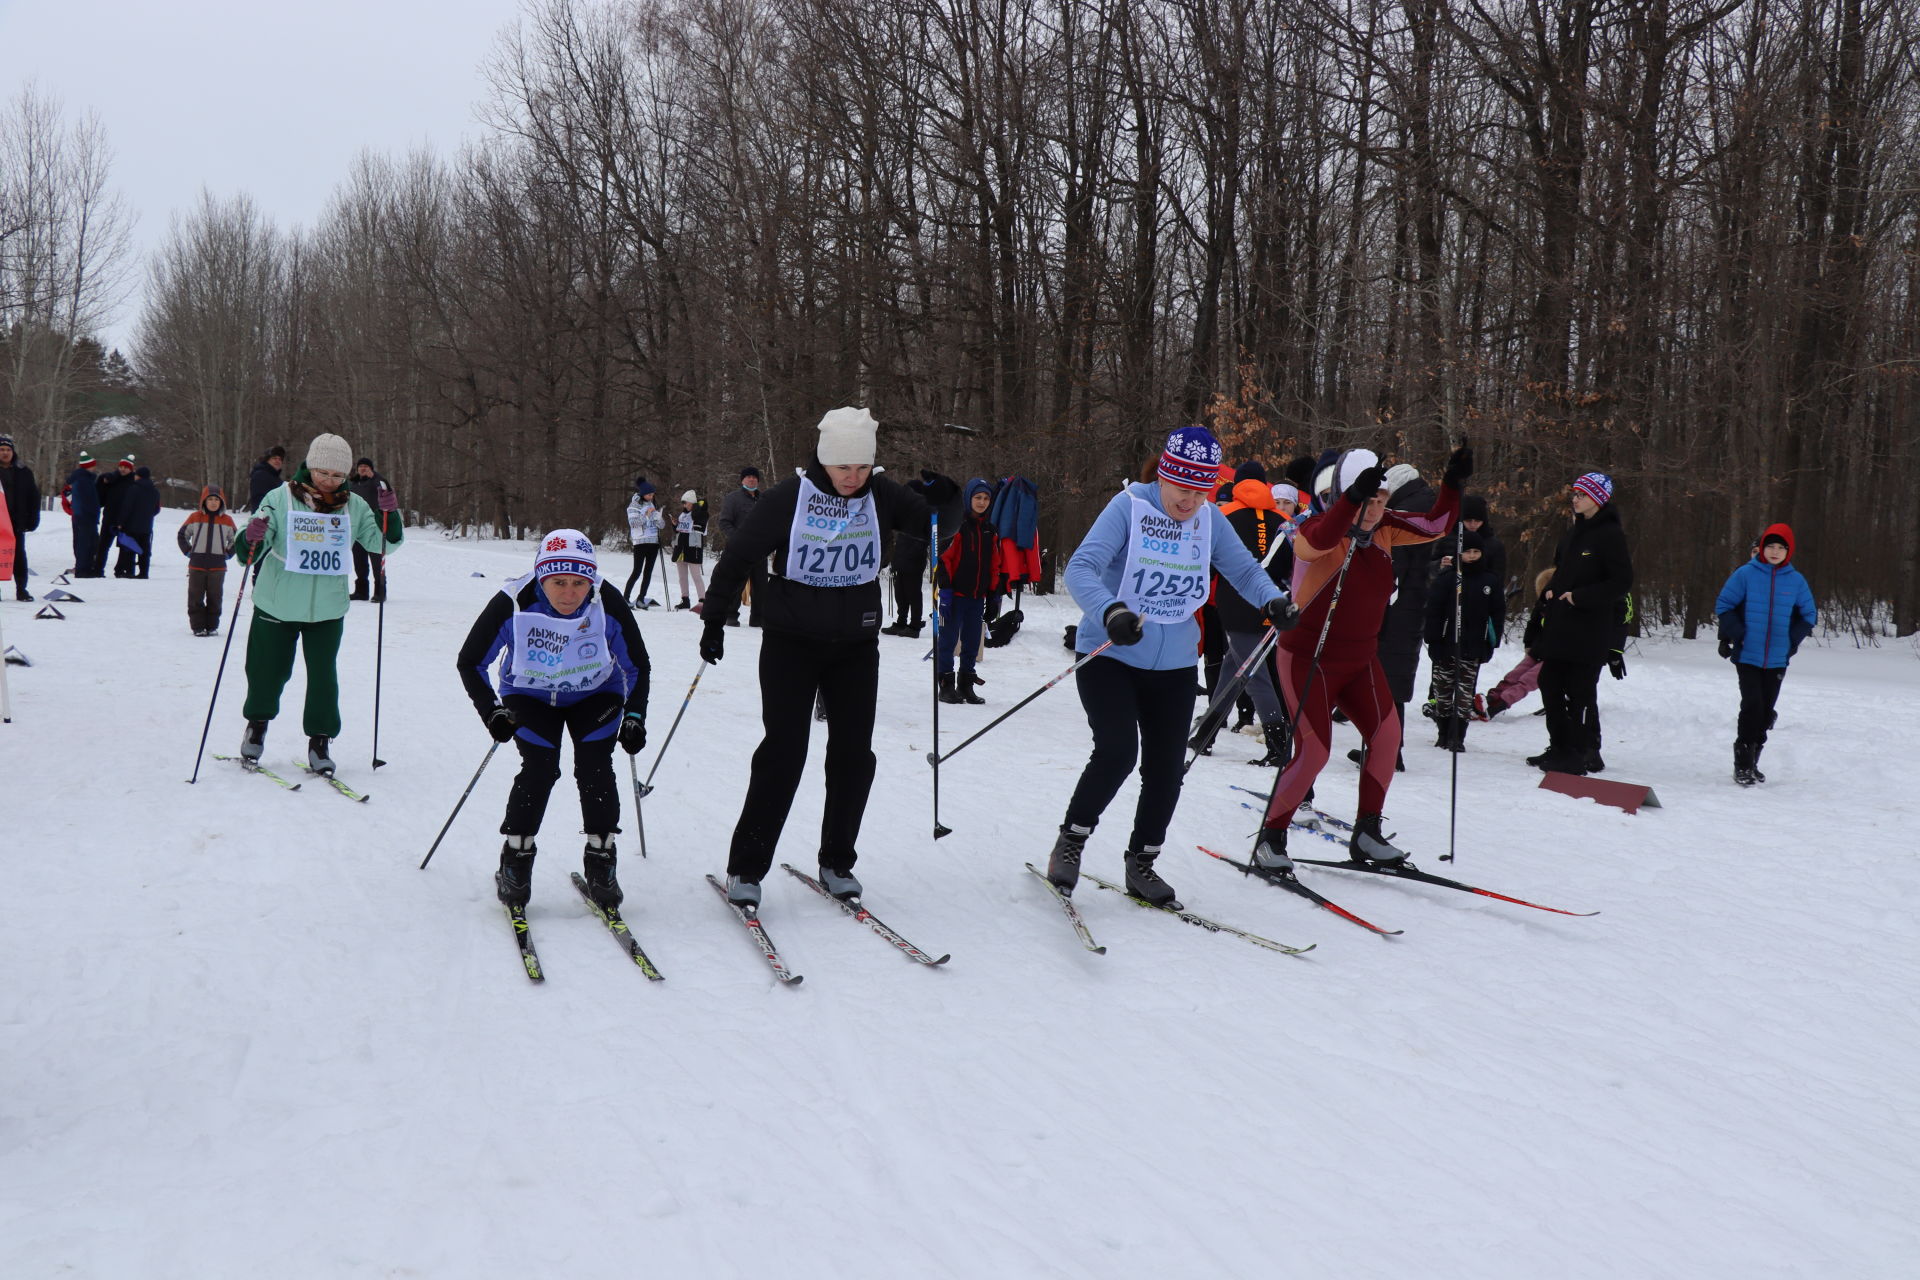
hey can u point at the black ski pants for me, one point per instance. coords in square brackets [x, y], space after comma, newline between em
[909, 578]
[1135, 714]
[645, 555]
[594, 723]
[1759, 691]
[20, 574]
[846, 673]
[1571, 691]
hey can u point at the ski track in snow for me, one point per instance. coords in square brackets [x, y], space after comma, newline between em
[249, 1037]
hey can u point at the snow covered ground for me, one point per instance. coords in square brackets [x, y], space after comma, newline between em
[246, 1036]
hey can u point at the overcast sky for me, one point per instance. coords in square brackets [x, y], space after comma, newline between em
[239, 95]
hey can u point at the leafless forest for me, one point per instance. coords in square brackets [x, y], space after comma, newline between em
[1677, 240]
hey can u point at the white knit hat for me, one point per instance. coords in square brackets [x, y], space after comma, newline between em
[329, 452]
[1400, 474]
[689, 496]
[1286, 493]
[847, 438]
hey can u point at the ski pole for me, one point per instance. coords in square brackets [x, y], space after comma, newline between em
[646, 788]
[933, 587]
[484, 762]
[1079, 662]
[1229, 693]
[639, 816]
[379, 633]
[1458, 733]
[233, 624]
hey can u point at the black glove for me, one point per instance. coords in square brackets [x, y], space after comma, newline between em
[1617, 664]
[1459, 467]
[1283, 614]
[1365, 485]
[633, 733]
[501, 724]
[713, 641]
[1726, 647]
[1123, 625]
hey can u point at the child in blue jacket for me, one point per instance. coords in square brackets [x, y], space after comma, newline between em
[1766, 610]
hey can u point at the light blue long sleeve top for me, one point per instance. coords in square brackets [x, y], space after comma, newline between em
[1093, 576]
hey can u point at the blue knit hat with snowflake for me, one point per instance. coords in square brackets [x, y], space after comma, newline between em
[566, 551]
[1191, 459]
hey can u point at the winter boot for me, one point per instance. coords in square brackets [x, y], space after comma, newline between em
[841, 884]
[1276, 749]
[253, 743]
[1368, 845]
[1480, 709]
[1359, 756]
[1063, 864]
[513, 882]
[1443, 734]
[1270, 850]
[897, 629]
[1743, 764]
[1591, 761]
[965, 685]
[317, 758]
[1456, 729]
[947, 691]
[684, 604]
[1753, 762]
[744, 894]
[1494, 705]
[596, 868]
[1144, 883]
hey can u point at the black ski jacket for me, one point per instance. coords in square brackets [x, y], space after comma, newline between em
[1593, 563]
[1483, 616]
[1405, 619]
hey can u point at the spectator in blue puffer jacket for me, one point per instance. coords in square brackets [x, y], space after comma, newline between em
[1766, 610]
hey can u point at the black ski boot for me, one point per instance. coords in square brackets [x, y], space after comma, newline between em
[513, 882]
[1270, 850]
[947, 691]
[1276, 749]
[317, 758]
[1743, 764]
[1144, 882]
[1456, 733]
[253, 743]
[597, 868]
[1063, 865]
[1368, 845]
[1754, 762]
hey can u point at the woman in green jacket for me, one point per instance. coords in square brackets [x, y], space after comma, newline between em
[302, 535]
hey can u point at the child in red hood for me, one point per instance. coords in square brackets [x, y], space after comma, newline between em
[206, 539]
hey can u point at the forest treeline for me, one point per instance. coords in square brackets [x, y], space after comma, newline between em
[1676, 240]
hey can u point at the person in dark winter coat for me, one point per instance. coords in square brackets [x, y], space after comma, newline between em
[1493, 552]
[821, 535]
[206, 539]
[267, 475]
[574, 666]
[1482, 607]
[1581, 624]
[22, 496]
[910, 550]
[733, 513]
[116, 496]
[1766, 610]
[967, 574]
[367, 483]
[1262, 527]
[81, 498]
[136, 526]
[1406, 616]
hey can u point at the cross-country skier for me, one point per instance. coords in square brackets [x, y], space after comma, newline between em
[299, 535]
[1766, 610]
[575, 665]
[1332, 658]
[818, 610]
[1140, 575]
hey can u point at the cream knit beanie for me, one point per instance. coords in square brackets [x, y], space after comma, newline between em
[847, 438]
[329, 453]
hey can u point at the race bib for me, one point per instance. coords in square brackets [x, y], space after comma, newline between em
[1165, 579]
[561, 655]
[835, 541]
[319, 542]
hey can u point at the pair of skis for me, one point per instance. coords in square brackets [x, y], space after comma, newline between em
[250, 766]
[750, 917]
[1198, 921]
[609, 916]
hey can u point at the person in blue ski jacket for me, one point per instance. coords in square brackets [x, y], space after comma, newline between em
[1140, 575]
[575, 666]
[1766, 610]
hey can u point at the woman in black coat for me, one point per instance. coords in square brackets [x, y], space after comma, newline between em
[1581, 617]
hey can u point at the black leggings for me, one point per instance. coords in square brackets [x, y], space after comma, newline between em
[593, 722]
[1134, 714]
[847, 676]
[909, 577]
[644, 555]
[1571, 691]
[1759, 690]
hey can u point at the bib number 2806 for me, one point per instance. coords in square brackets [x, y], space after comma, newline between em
[312, 561]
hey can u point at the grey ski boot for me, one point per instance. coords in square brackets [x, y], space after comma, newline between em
[1063, 864]
[1144, 882]
[1368, 845]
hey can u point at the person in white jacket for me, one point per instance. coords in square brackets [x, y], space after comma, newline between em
[644, 523]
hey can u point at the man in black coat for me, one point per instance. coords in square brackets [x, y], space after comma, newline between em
[368, 482]
[136, 522]
[22, 495]
[822, 537]
[82, 496]
[1580, 623]
[116, 496]
[911, 551]
[266, 476]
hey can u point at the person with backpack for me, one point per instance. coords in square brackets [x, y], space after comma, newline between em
[1766, 609]
[206, 539]
[1457, 658]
